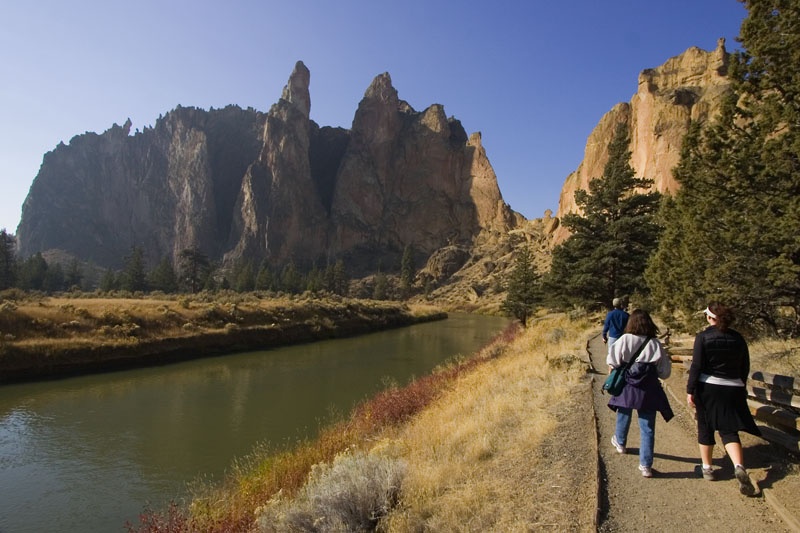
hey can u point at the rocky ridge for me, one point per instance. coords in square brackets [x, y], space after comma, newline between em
[245, 185]
[276, 187]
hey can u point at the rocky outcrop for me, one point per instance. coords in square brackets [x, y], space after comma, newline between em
[411, 178]
[241, 185]
[686, 88]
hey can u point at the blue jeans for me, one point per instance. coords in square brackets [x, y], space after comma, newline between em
[647, 432]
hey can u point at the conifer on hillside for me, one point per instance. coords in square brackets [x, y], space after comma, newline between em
[732, 231]
[611, 238]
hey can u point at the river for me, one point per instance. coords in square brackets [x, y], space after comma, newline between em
[88, 453]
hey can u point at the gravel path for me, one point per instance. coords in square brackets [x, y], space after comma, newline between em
[676, 498]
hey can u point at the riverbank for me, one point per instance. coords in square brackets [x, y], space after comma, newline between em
[474, 446]
[42, 338]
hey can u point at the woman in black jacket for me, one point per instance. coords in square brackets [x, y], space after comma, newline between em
[716, 388]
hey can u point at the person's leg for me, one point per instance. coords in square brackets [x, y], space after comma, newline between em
[734, 450]
[706, 454]
[647, 432]
[623, 425]
[733, 447]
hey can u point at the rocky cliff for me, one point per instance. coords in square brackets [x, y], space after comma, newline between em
[244, 185]
[686, 88]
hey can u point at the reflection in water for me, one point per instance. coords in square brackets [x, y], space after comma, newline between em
[88, 453]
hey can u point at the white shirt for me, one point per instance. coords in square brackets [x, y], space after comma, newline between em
[622, 350]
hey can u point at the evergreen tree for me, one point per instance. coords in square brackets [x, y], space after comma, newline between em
[195, 269]
[380, 291]
[245, 277]
[74, 275]
[8, 260]
[32, 273]
[53, 278]
[163, 277]
[291, 279]
[109, 281]
[407, 271]
[524, 289]
[315, 280]
[134, 275]
[611, 238]
[336, 280]
[733, 230]
[265, 280]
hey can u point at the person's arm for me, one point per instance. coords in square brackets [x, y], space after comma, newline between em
[694, 370]
[745, 363]
[664, 365]
[615, 357]
[605, 327]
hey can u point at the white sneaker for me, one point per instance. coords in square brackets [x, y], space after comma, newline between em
[620, 448]
[646, 471]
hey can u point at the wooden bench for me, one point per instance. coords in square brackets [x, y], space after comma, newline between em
[773, 399]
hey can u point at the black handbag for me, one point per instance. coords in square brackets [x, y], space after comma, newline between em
[615, 381]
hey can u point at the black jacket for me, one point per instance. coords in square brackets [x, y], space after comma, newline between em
[720, 354]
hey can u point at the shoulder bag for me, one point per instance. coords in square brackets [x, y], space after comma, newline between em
[615, 381]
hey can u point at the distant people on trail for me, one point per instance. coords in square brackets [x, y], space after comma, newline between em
[643, 390]
[716, 389]
[614, 324]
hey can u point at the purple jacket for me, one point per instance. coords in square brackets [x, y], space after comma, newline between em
[643, 391]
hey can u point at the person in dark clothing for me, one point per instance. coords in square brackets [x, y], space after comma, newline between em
[614, 324]
[643, 390]
[716, 389]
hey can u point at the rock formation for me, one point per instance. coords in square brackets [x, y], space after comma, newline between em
[241, 185]
[686, 88]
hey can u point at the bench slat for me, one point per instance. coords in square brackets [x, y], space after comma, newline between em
[774, 415]
[773, 395]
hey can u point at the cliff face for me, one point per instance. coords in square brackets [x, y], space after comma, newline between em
[686, 88]
[244, 185]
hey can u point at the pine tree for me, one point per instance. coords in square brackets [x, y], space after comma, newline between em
[524, 289]
[407, 271]
[163, 277]
[194, 268]
[8, 260]
[265, 279]
[611, 238]
[733, 230]
[134, 276]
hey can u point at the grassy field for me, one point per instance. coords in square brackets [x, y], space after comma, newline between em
[47, 336]
[452, 451]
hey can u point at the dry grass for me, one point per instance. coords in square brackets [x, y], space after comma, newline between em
[776, 356]
[472, 456]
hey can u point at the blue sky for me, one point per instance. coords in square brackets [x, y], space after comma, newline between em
[533, 76]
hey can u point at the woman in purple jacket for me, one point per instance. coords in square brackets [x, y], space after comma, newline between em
[716, 388]
[643, 390]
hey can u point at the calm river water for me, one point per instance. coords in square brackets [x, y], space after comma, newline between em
[89, 453]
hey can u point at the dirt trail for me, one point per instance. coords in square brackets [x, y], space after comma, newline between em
[676, 498]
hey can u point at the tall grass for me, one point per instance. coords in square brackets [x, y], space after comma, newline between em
[471, 455]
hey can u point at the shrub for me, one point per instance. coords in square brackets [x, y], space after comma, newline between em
[352, 494]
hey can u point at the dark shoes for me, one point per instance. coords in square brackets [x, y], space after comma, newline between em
[746, 486]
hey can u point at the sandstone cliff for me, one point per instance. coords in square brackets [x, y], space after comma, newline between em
[241, 185]
[686, 88]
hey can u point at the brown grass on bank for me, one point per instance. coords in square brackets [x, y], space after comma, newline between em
[75, 322]
[472, 458]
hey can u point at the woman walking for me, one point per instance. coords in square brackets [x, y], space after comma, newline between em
[643, 390]
[716, 389]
